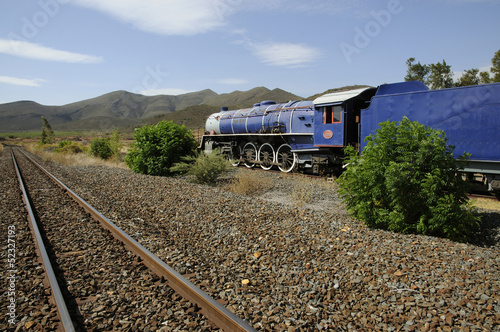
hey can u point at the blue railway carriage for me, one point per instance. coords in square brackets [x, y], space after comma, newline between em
[469, 116]
[312, 134]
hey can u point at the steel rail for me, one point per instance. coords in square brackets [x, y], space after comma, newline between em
[62, 309]
[211, 309]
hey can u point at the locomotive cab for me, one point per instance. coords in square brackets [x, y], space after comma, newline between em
[329, 127]
[336, 125]
[338, 117]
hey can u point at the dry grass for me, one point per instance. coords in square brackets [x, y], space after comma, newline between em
[304, 188]
[487, 204]
[1, 147]
[79, 159]
[248, 183]
[302, 192]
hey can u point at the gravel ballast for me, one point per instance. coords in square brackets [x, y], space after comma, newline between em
[311, 268]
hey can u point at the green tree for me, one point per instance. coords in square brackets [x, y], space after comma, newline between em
[158, 147]
[440, 76]
[474, 77]
[406, 180]
[436, 75]
[469, 77]
[416, 71]
[485, 77]
[495, 69]
[48, 136]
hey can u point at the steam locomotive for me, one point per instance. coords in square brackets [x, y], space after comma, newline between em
[311, 135]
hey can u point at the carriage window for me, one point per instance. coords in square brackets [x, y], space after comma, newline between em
[332, 114]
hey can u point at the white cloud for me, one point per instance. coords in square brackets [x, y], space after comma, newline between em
[21, 81]
[35, 51]
[191, 17]
[311, 6]
[166, 91]
[232, 81]
[166, 17]
[285, 54]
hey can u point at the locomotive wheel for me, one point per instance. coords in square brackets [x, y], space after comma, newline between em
[234, 156]
[266, 156]
[286, 158]
[249, 153]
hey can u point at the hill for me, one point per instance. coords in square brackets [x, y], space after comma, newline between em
[125, 109]
[241, 99]
[194, 117]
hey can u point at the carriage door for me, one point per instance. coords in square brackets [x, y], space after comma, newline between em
[329, 127]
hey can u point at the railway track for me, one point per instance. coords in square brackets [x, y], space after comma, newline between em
[100, 277]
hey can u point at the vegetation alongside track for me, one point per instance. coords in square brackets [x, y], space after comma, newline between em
[406, 180]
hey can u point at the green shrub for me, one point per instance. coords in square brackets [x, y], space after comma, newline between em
[204, 168]
[406, 180]
[115, 146]
[62, 144]
[69, 147]
[99, 147]
[158, 147]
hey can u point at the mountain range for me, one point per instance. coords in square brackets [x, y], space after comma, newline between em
[127, 110]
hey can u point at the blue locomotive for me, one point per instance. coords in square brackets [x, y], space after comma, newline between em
[312, 134]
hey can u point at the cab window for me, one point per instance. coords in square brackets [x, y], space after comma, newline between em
[332, 114]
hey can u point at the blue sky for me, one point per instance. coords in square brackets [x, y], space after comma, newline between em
[56, 52]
